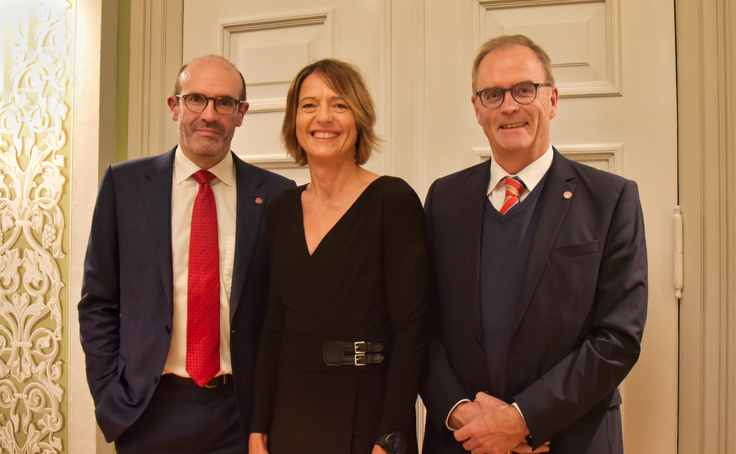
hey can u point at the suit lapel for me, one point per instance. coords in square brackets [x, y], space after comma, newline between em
[249, 217]
[156, 190]
[554, 209]
[472, 232]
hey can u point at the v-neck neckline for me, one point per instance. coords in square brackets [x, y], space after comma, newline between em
[338, 222]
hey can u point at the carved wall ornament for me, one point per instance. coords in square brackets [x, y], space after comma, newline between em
[33, 114]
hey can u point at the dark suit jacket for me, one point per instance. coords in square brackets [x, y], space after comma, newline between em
[579, 319]
[126, 309]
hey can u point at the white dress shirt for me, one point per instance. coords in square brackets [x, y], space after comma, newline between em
[530, 175]
[183, 192]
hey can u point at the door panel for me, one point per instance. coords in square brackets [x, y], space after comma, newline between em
[270, 42]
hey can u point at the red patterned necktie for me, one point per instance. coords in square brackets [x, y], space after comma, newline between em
[203, 288]
[514, 188]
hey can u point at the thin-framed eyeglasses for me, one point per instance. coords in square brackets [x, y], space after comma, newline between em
[224, 105]
[523, 93]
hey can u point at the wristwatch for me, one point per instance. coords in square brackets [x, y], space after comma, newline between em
[392, 443]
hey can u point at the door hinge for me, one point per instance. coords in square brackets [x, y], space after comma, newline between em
[679, 262]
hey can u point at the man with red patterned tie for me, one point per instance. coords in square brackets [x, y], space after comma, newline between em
[541, 280]
[176, 277]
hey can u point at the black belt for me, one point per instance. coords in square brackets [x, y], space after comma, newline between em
[321, 352]
[360, 353]
[216, 382]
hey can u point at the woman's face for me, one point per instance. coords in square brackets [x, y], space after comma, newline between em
[325, 125]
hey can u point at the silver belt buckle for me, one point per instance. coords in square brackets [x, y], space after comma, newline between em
[359, 348]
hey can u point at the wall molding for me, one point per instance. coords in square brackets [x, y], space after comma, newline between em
[604, 156]
[503, 4]
[273, 161]
[155, 59]
[612, 84]
[229, 28]
[607, 156]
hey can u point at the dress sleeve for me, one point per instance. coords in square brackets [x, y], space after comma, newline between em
[270, 343]
[406, 270]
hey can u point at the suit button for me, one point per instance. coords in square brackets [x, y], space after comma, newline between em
[479, 341]
[168, 329]
[155, 378]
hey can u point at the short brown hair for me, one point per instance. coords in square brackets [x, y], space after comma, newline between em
[502, 41]
[346, 80]
[177, 84]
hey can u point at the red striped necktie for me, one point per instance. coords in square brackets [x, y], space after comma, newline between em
[514, 188]
[203, 287]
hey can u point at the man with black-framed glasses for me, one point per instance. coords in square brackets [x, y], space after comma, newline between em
[541, 280]
[176, 280]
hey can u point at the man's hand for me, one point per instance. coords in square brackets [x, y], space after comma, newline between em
[462, 414]
[257, 443]
[497, 429]
[524, 448]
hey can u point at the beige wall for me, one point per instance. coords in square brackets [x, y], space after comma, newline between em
[93, 147]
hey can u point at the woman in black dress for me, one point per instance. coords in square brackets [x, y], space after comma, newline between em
[344, 338]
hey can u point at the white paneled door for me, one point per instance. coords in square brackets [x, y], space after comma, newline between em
[614, 63]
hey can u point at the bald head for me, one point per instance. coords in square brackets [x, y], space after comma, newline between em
[208, 60]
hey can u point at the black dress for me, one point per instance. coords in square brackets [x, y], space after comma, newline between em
[366, 281]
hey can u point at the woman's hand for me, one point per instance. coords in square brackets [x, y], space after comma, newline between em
[257, 443]
[377, 450]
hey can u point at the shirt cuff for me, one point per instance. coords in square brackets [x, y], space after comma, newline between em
[447, 420]
[515, 406]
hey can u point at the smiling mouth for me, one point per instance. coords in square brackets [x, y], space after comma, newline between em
[515, 125]
[208, 132]
[324, 135]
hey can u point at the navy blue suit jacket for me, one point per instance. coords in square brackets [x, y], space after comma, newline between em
[578, 321]
[126, 309]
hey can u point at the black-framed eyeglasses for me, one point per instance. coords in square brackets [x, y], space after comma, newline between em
[224, 105]
[523, 93]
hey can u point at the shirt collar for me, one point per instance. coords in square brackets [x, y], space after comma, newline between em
[531, 175]
[185, 168]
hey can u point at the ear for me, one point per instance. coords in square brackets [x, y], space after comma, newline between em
[241, 113]
[553, 102]
[173, 103]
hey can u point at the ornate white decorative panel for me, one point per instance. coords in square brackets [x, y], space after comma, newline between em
[269, 51]
[35, 77]
[606, 156]
[581, 37]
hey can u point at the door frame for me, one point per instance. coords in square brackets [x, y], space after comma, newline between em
[706, 58]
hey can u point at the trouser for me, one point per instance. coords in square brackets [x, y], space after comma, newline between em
[183, 418]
